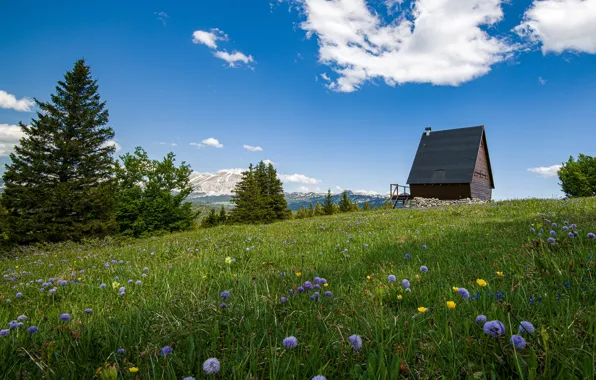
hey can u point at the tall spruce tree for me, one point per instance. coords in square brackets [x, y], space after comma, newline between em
[328, 204]
[246, 198]
[59, 184]
[277, 199]
[345, 204]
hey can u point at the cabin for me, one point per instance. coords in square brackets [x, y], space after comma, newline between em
[452, 164]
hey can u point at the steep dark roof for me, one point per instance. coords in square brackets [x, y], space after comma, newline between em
[447, 156]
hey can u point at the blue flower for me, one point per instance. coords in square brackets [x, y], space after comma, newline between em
[356, 342]
[88, 311]
[552, 233]
[102, 286]
[319, 377]
[391, 278]
[518, 342]
[551, 240]
[18, 295]
[464, 293]
[283, 299]
[166, 350]
[424, 268]
[300, 289]
[225, 294]
[423, 246]
[408, 256]
[307, 285]
[405, 283]
[21, 318]
[12, 324]
[4, 332]
[32, 329]
[65, 317]
[121, 351]
[591, 235]
[290, 342]
[223, 305]
[328, 294]
[494, 328]
[526, 326]
[211, 366]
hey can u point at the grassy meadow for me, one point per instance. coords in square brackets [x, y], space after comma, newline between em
[167, 292]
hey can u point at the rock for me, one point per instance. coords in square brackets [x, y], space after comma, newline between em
[434, 202]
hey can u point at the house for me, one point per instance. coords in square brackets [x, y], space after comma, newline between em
[452, 164]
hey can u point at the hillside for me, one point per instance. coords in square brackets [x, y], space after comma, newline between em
[235, 293]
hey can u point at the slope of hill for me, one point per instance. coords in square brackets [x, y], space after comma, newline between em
[358, 295]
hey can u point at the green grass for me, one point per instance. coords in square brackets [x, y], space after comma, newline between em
[177, 303]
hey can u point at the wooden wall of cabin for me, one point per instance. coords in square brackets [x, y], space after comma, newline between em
[448, 191]
[481, 186]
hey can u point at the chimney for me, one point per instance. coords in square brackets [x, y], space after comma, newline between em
[427, 129]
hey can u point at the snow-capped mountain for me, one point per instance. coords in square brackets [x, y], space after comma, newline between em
[214, 184]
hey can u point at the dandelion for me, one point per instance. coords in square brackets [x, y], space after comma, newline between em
[481, 282]
[368, 277]
[32, 329]
[424, 269]
[494, 328]
[356, 342]
[481, 319]
[225, 294]
[526, 326]
[290, 342]
[422, 309]
[391, 278]
[211, 366]
[166, 350]
[405, 283]
[298, 274]
[133, 370]
[65, 317]
[450, 304]
[325, 284]
[463, 292]
[455, 289]
[518, 342]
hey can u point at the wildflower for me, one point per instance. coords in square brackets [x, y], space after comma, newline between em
[328, 294]
[307, 285]
[455, 288]
[464, 293]
[12, 324]
[133, 370]
[451, 304]
[21, 318]
[526, 326]
[225, 294]
[211, 366]
[591, 235]
[298, 274]
[494, 328]
[223, 305]
[102, 286]
[408, 256]
[368, 277]
[4, 332]
[88, 311]
[405, 283]
[400, 297]
[423, 246]
[319, 377]
[166, 350]
[422, 309]
[32, 329]
[115, 285]
[500, 274]
[417, 277]
[325, 284]
[121, 351]
[283, 299]
[551, 240]
[552, 233]
[481, 282]
[424, 269]
[18, 295]
[356, 342]
[290, 342]
[518, 342]
[300, 289]
[391, 278]
[138, 282]
[189, 378]
[65, 317]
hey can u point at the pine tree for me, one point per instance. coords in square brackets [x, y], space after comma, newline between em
[59, 184]
[366, 206]
[345, 205]
[328, 204]
[263, 203]
[276, 196]
[354, 206]
[223, 217]
[319, 209]
[246, 198]
[311, 210]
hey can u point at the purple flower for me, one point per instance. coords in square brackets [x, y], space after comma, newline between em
[424, 268]
[130, 281]
[4, 332]
[552, 233]
[32, 329]
[464, 293]
[189, 378]
[102, 286]
[88, 311]
[121, 351]
[481, 318]
[223, 305]
[211, 366]
[166, 350]
[408, 256]
[12, 324]
[145, 269]
[551, 240]
[300, 289]
[22, 318]
[138, 282]
[356, 342]
[591, 235]
[391, 278]
[532, 230]
[290, 342]
[307, 285]
[53, 290]
[122, 293]
[283, 299]
[18, 295]
[65, 317]
[526, 326]
[423, 246]
[328, 294]
[405, 283]
[225, 294]
[494, 328]
[319, 377]
[518, 342]
[317, 280]
[323, 281]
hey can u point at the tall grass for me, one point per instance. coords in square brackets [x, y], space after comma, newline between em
[178, 302]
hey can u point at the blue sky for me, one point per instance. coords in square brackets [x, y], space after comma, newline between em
[336, 93]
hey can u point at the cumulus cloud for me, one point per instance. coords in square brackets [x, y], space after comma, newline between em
[234, 58]
[325, 77]
[10, 135]
[546, 171]
[338, 188]
[252, 148]
[209, 38]
[443, 42]
[561, 25]
[11, 102]
[267, 162]
[208, 142]
[300, 178]
[113, 143]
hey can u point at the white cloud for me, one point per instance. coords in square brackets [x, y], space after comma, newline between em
[546, 171]
[325, 77]
[234, 58]
[113, 143]
[252, 148]
[442, 42]
[208, 142]
[10, 135]
[338, 188]
[209, 38]
[366, 192]
[267, 162]
[300, 178]
[306, 189]
[168, 144]
[232, 171]
[10, 101]
[541, 81]
[162, 16]
[561, 25]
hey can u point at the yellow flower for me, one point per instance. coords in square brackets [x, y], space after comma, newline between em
[400, 297]
[500, 274]
[451, 304]
[325, 284]
[368, 277]
[417, 277]
[228, 260]
[204, 277]
[455, 288]
[481, 282]
[298, 274]
[235, 274]
[422, 309]
[133, 369]
[115, 284]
